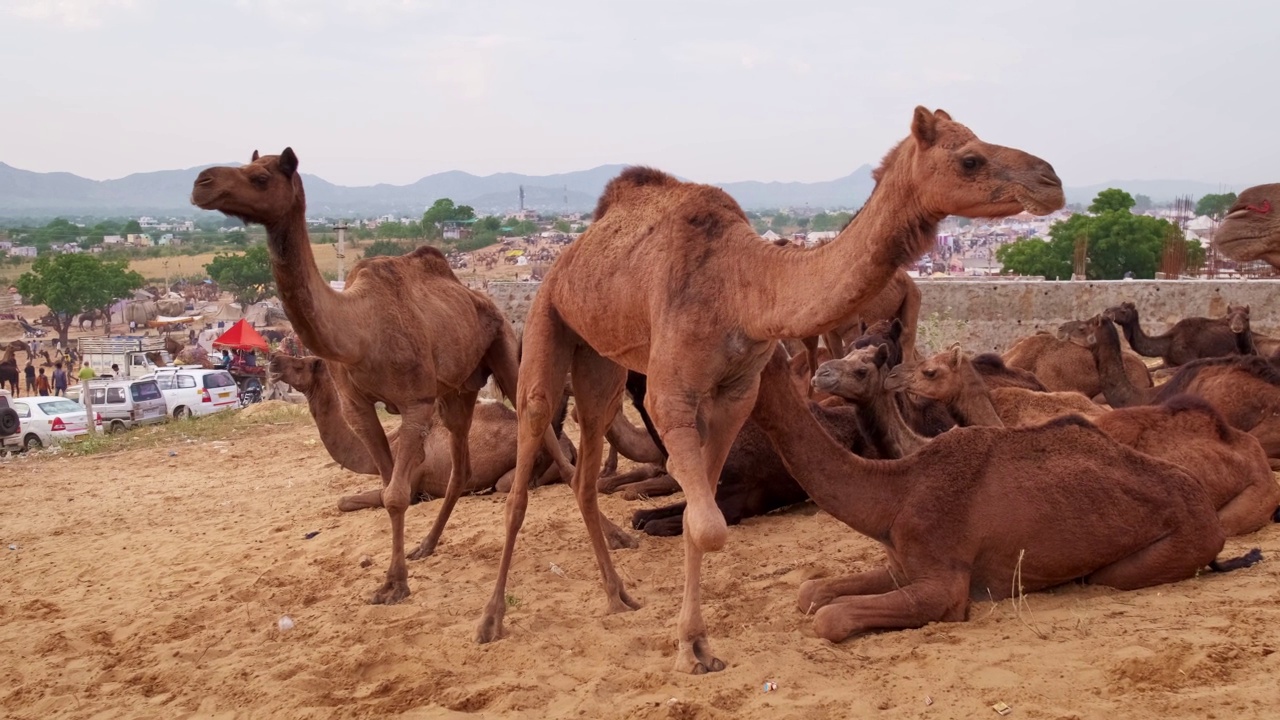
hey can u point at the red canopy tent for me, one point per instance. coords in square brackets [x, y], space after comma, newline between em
[242, 336]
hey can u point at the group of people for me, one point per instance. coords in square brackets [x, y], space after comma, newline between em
[38, 383]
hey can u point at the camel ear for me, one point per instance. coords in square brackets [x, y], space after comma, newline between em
[882, 355]
[956, 354]
[895, 329]
[942, 114]
[288, 162]
[924, 127]
[255, 157]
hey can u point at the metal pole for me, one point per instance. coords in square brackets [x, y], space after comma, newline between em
[341, 227]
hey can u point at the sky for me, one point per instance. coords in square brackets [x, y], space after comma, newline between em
[370, 91]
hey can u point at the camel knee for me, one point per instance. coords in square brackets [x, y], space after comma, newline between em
[705, 528]
[362, 501]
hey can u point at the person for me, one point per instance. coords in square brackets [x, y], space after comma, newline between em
[30, 372]
[115, 370]
[42, 383]
[59, 380]
[226, 359]
[133, 326]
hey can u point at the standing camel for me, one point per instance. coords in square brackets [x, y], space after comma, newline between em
[405, 332]
[699, 311]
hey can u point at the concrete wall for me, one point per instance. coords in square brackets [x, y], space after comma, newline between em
[987, 315]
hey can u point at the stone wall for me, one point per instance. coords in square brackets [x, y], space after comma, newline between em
[990, 315]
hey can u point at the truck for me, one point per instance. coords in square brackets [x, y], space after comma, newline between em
[135, 355]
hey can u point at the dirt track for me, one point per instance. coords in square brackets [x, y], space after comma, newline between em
[147, 585]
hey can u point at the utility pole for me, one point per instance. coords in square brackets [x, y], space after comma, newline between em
[166, 277]
[341, 227]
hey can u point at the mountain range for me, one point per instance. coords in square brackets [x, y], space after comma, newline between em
[26, 194]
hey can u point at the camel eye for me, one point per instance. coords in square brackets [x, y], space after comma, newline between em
[259, 180]
[860, 372]
[929, 373]
[971, 162]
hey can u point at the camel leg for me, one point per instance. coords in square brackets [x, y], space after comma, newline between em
[941, 599]
[409, 456]
[815, 594]
[542, 374]
[654, 487]
[361, 501]
[597, 390]
[613, 483]
[1251, 510]
[811, 347]
[611, 462]
[455, 413]
[1177, 556]
[696, 465]
[665, 521]
[835, 344]
[1268, 435]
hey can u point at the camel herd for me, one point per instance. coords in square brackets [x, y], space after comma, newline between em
[1059, 461]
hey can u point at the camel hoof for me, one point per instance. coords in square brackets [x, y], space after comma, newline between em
[390, 593]
[828, 625]
[618, 540]
[622, 602]
[423, 551]
[490, 629]
[812, 597]
[695, 658]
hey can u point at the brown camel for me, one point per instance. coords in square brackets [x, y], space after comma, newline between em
[951, 378]
[490, 439]
[985, 512]
[859, 377]
[172, 346]
[1244, 389]
[1190, 338]
[900, 300]
[9, 372]
[1065, 367]
[1251, 228]
[436, 340]
[703, 318]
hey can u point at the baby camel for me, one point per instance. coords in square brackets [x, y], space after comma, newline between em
[1056, 503]
[490, 438]
[1189, 339]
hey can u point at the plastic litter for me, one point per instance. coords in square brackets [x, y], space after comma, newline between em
[769, 686]
[311, 534]
[285, 623]
[1001, 708]
[13, 546]
[556, 569]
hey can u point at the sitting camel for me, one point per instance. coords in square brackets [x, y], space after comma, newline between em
[1251, 229]
[985, 512]
[951, 378]
[1065, 367]
[859, 378]
[493, 452]
[1245, 390]
[1192, 338]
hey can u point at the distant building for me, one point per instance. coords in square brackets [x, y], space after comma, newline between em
[456, 229]
[112, 240]
[23, 251]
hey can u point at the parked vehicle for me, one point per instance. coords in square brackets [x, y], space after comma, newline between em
[50, 420]
[196, 392]
[10, 424]
[126, 403]
[129, 353]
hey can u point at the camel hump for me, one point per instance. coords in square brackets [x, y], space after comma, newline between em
[433, 259]
[1188, 403]
[636, 176]
[1066, 421]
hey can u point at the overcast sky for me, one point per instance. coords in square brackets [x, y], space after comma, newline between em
[715, 90]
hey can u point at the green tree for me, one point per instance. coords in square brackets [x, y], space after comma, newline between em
[247, 276]
[386, 248]
[562, 226]
[71, 284]
[493, 223]
[1110, 200]
[132, 227]
[780, 222]
[1215, 206]
[444, 210]
[1142, 203]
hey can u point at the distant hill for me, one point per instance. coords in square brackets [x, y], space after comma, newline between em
[41, 195]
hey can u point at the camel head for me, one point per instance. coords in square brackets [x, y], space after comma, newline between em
[856, 377]
[1251, 229]
[949, 171]
[266, 191]
[940, 377]
[1238, 318]
[1122, 314]
[1076, 331]
[299, 373]
[1088, 333]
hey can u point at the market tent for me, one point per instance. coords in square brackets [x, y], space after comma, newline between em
[242, 336]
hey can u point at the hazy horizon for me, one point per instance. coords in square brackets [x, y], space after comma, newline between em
[389, 91]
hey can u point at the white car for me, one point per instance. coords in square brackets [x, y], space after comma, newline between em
[196, 392]
[50, 420]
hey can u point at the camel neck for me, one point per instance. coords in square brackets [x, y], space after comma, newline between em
[1141, 342]
[343, 445]
[1116, 386]
[864, 494]
[312, 306]
[973, 405]
[884, 424]
[800, 293]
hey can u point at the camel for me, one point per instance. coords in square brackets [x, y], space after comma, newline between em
[1064, 367]
[859, 377]
[951, 378]
[9, 372]
[900, 299]
[436, 341]
[986, 512]
[489, 438]
[706, 314]
[1251, 228]
[91, 316]
[172, 346]
[1190, 338]
[1244, 389]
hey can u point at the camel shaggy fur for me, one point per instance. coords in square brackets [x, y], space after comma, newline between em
[699, 314]
[405, 332]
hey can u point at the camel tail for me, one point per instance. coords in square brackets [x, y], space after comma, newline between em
[1249, 559]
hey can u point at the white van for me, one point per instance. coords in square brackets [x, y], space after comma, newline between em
[196, 392]
[124, 403]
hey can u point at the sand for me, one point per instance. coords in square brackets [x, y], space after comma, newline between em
[149, 585]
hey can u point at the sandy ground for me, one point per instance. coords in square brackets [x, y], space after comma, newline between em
[147, 584]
